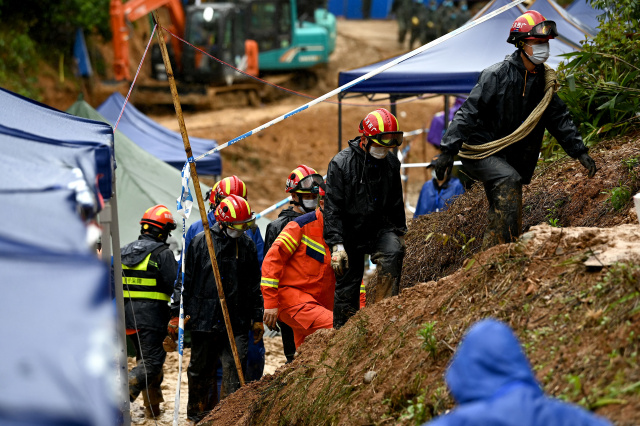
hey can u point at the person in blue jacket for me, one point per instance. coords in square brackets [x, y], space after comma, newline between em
[221, 190]
[493, 383]
[437, 193]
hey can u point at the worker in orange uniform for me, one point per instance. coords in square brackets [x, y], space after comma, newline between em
[298, 282]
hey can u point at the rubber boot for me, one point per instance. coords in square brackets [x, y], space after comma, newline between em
[385, 286]
[505, 212]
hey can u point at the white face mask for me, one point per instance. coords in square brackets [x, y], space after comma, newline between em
[378, 152]
[234, 233]
[539, 52]
[310, 204]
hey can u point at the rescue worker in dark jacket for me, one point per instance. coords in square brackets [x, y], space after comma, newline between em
[299, 184]
[364, 213]
[500, 109]
[149, 270]
[493, 383]
[240, 273]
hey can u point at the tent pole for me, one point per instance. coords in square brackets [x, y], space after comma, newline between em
[201, 206]
[109, 216]
[340, 96]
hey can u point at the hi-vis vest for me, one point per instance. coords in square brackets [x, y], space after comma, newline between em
[140, 281]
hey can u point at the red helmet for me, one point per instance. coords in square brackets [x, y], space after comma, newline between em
[531, 25]
[227, 186]
[159, 217]
[234, 211]
[382, 128]
[303, 179]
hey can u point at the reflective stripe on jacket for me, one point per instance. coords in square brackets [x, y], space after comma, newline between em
[148, 273]
[297, 267]
[140, 281]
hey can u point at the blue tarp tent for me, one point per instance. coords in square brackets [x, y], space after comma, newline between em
[60, 368]
[352, 9]
[29, 120]
[452, 66]
[163, 143]
[568, 25]
[583, 11]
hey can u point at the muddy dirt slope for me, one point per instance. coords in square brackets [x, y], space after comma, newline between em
[571, 292]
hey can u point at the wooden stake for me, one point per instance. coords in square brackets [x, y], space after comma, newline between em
[196, 184]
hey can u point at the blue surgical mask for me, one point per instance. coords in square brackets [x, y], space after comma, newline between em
[464, 7]
[539, 53]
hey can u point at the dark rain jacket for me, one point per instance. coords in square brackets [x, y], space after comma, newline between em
[274, 228]
[500, 102]
[240, 273]
[364, 198]
[492, 381]
[150, 314]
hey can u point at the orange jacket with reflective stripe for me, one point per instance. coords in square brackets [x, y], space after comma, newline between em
[297, 267]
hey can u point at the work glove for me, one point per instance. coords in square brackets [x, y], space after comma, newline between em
[169, 344]
[339, 259]
[270, 317]
[588, 163]
[258, 331]
[442, 164]
[172, 328]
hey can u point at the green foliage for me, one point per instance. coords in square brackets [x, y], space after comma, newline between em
[429, 340]
[53, 23]
[17, 60]
[416, 410]
[603, 79]
[618, 197]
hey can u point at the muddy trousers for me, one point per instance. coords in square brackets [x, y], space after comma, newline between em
[387, 254]
[503, 188]
[147, 375]
[306, 319]
[206, 349]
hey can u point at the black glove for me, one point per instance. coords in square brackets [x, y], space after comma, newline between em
[443, 163]
[588, 163]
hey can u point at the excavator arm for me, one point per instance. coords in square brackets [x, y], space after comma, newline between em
[131, 11]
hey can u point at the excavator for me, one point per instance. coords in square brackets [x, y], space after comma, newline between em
[260, 37]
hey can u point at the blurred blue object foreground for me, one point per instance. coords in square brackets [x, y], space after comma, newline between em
[493, 383]
[58, 358]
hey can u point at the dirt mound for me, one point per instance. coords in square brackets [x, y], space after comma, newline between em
[559, 194]
[571, 293]
[578, 324]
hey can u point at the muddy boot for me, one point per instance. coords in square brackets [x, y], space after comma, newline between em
[385, 286]
[152, 411]
[505, 212]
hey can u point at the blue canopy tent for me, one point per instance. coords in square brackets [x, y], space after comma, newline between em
[569, 27]
[352, 9]
[451, 67]
[60, 369]
[29, 120]
[582, 10]
[163, 143]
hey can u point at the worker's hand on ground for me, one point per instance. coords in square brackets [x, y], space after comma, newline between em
[403, 244]
[169, 344]
[270, 317]
[172, 328]
[339, 259]
[442, 164]
[258, 331]
[588, 163]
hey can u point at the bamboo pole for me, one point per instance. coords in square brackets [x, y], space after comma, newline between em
[201, 207]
